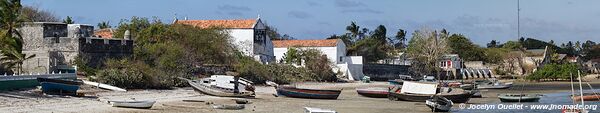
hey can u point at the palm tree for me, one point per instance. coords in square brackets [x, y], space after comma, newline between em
[103, 24]
[11, 42]
[68, 20]
[400, 36]
[354, 30]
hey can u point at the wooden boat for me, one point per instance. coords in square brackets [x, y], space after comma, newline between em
[376, 92]
[519, 97]
[455, 97]
[59, 86]
[291, 91]
[142, 104]
[439, 104]
[104, 86]
[222, 87]
[317, 110]
[587, 97]
[492, 84]
[455, 94]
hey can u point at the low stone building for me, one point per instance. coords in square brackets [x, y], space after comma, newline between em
[57, 45]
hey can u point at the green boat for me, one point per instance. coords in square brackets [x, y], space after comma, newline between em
[28, 81]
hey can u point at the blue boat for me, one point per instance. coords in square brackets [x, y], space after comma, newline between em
[59, 86]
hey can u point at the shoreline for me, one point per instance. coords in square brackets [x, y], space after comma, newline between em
[172, 100]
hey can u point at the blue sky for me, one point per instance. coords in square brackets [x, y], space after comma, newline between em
[479, 20]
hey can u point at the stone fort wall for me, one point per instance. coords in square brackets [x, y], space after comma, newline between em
[57, 45]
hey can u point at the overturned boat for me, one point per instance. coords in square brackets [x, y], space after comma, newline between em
[223, 85]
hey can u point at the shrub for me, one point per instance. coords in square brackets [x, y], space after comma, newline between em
[316, 68]
[554, 72]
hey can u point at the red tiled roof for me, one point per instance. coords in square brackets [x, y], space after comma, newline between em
[104, 33]
[232, 24]
[305, 43]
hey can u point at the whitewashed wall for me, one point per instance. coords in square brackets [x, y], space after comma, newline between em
[243, 39]
[332, 53]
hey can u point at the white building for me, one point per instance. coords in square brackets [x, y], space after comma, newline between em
[334, 49]
[249, 35]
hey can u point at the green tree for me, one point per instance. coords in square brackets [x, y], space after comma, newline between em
[495, 55]
[134, 25]
[354, 30]
[512, 45]
[11, 42]
[380, 34]
[103, 25]
[427, 47]
[467, 51]
[589, 50]
[492, 44]
[292, 56]
[401, 38]
[68, 20]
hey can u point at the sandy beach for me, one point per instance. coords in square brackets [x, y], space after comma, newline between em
[349, 101]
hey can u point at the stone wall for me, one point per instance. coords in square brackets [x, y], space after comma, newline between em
[57, 45]
[98, 50]
[380, 72]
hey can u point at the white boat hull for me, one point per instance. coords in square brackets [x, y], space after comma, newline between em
[133, 104]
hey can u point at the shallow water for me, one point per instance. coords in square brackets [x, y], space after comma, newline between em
[549, 103]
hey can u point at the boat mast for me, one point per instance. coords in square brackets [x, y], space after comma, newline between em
[580, 89]
[519, 36]
[572, 89]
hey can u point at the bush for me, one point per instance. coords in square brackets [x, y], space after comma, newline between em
[127, 74]
[555, 72]
[164, 52]
[316, 68]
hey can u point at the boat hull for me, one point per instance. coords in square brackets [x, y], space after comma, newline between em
[215, 91]
[457, 98]
[374, 93]
[308, 93]
[133, 104]
[443, 105]
[50, 87]
[524, 98]
[587, 98]
[59, 86]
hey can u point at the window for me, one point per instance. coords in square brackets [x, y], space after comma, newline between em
[260, 36]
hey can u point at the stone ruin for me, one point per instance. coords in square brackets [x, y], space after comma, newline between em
[57, 45]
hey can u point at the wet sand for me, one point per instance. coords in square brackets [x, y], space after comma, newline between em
[172, 100]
